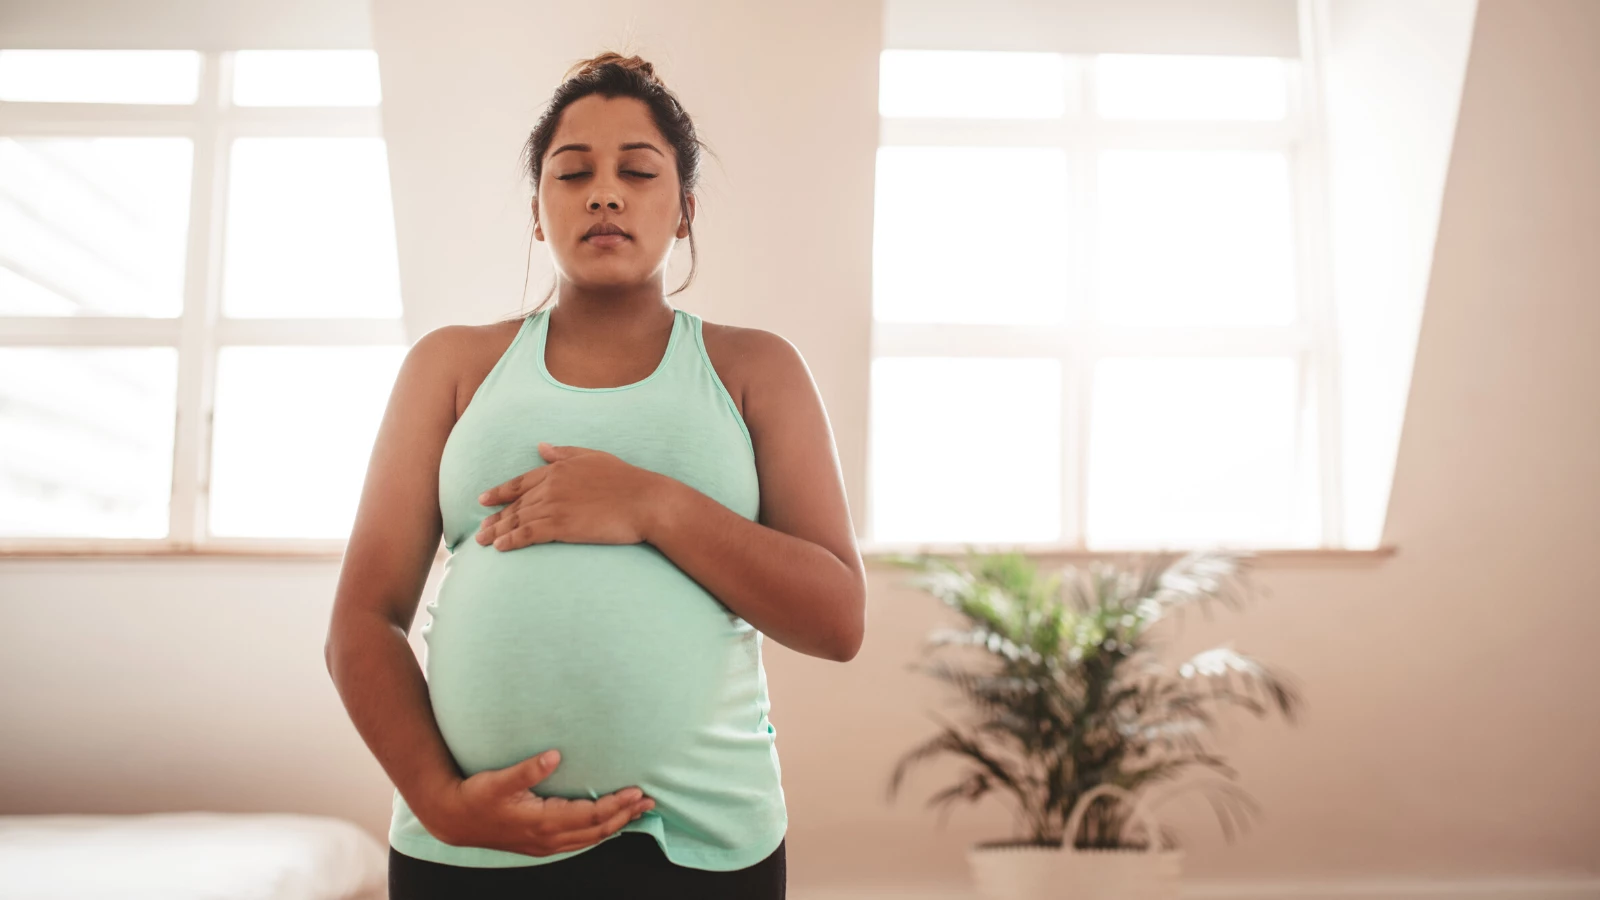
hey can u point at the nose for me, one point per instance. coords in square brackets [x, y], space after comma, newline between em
[606, 197]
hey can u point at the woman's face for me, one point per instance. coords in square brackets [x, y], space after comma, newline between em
[589, 178]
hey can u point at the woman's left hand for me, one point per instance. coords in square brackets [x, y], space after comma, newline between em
[582, 496]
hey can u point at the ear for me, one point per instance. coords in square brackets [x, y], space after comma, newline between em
[683, 227]
[538, 231]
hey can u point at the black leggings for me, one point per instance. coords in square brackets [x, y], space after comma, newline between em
[626, 866]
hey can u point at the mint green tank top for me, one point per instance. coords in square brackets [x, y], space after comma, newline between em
[609, 653]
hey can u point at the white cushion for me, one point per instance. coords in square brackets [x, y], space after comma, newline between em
[176, 856]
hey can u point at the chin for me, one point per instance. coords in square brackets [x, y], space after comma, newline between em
[606, 283]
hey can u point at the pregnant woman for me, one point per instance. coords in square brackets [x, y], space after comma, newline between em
[631, 499]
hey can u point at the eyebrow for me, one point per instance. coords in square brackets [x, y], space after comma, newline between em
[634, 145]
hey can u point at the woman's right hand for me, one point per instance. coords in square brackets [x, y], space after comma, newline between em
[495, 809]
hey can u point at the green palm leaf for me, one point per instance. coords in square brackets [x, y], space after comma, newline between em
[1068, 691]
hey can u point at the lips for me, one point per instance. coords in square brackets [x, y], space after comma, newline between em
[605, 229]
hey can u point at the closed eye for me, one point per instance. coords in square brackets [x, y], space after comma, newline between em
[580, 174]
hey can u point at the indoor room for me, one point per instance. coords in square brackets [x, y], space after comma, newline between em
[1017, 449]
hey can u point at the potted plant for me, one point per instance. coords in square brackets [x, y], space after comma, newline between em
[1076, 719]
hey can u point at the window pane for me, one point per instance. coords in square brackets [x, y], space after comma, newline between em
[87, 440]
[305, 78]
[293, 434]
[1192, 450]
[972, 84]
[947, 242]
[100, 76]
[966, 450]
[310, 230]
[1190, 87]
[1195, 238]
[93, 226]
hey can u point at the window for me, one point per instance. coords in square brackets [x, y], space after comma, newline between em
[199, 296]
[1094, 314]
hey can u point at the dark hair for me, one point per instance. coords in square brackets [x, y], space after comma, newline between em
[612, 75]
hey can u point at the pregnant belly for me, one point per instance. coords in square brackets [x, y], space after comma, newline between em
[609, 653]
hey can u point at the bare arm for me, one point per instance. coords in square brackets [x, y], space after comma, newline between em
[391, 549]
[796, 574]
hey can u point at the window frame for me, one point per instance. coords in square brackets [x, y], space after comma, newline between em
[198, 333]
[1080, 341]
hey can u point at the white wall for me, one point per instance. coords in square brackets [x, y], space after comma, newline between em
[1243, 27]
[185, 24]
[1394, 87]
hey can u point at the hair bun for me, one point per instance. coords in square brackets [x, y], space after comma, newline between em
[634, 63]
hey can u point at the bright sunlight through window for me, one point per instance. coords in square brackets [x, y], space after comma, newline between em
[1088, 304]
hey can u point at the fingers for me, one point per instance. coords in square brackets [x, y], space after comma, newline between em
[583, 837]
[519, 531]
[500, 493]
[535, 769]
[566, 824]
[564, 815]
[506, 514]
[497, 524]
[510, 490]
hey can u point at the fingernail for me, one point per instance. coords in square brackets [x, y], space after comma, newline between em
[632, 794]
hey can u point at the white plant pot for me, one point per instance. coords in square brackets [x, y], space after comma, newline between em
[1053, 873]
[1035, 872]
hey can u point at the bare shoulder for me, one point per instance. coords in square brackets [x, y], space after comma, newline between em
[750, 359]
[467, 353]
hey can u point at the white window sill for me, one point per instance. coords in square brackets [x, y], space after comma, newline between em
[875, 554]
[878, 554]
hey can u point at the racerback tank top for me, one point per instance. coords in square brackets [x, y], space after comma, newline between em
[609, 653]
